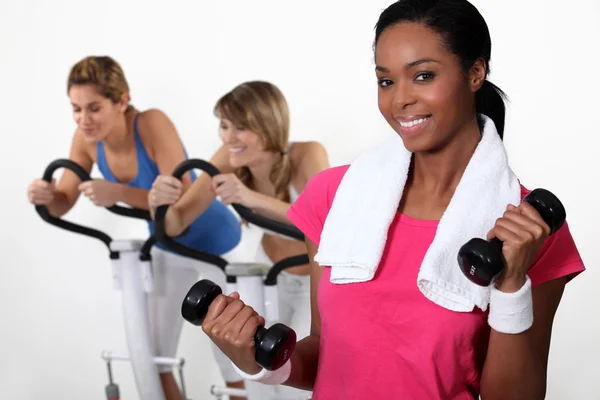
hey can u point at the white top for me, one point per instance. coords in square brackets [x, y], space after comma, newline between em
[293, 192]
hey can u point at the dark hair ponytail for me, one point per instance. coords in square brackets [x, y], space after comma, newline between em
[489, 101]
[465, 33]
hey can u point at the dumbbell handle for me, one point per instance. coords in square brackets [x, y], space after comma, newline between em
[495, 245]
[259, 335]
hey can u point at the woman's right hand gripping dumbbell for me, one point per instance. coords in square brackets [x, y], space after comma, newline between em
[237, 329]
[232, 326]
[40, 192]
[165, 190]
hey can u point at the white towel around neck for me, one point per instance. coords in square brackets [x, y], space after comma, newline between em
[355, 231]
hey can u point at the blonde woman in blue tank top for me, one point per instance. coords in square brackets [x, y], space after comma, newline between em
[131, 149]
[262, 170]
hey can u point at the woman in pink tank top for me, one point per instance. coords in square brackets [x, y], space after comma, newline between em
[383, 338]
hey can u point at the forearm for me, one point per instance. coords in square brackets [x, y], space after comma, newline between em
[270, 207]
[174, 225]
[305, 359]
[513, 370]
[173, 222]
[183, 213]
[134, 197]
[59, 206]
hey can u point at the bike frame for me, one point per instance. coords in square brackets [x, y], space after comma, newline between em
[132, 275]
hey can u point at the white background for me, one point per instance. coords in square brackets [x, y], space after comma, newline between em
[57, 308]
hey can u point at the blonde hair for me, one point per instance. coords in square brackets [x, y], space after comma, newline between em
[104, 73]
[261, 107]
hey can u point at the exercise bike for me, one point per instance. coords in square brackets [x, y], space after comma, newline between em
[132, 275]
[256, 283]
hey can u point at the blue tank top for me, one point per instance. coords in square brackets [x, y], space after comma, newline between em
[216, 231]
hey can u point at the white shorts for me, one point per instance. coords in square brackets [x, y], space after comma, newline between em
[174, 275]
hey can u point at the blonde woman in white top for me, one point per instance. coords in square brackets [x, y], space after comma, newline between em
[261, 170]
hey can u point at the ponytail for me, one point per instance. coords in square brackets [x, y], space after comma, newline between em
[281, 175]
[489, 101]
[245, 176]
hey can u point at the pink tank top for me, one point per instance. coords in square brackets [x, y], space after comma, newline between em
[383, 338]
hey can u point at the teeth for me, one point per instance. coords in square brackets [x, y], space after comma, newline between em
[413, 123]
[237, 150]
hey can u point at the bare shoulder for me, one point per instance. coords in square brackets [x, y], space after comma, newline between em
[152, 114]
[308, 159]
[302, 152]
[154, 122]
[157, 131]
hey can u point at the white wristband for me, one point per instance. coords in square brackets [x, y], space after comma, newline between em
[275, 377]
[511, 313]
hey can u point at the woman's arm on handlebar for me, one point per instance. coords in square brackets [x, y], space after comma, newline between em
[67, 191]
[305, 357]
[196, 199]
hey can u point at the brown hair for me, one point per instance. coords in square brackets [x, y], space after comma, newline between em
[104, 73]
[261, 107]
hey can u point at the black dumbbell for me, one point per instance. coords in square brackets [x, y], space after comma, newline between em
[274, 346]
[481, 260]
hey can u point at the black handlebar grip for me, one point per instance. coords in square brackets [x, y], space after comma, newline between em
[244, 212]
[84, 176]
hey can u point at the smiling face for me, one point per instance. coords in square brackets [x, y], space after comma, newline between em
[246, 148]
[94, 114]
[423, 93]
[254, 123]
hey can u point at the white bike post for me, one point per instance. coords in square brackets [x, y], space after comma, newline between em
[132, 275]
[257, 285]
[249, 281]
[134, 280]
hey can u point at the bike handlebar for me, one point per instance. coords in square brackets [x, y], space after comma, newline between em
[70, 226]
[244, 212]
